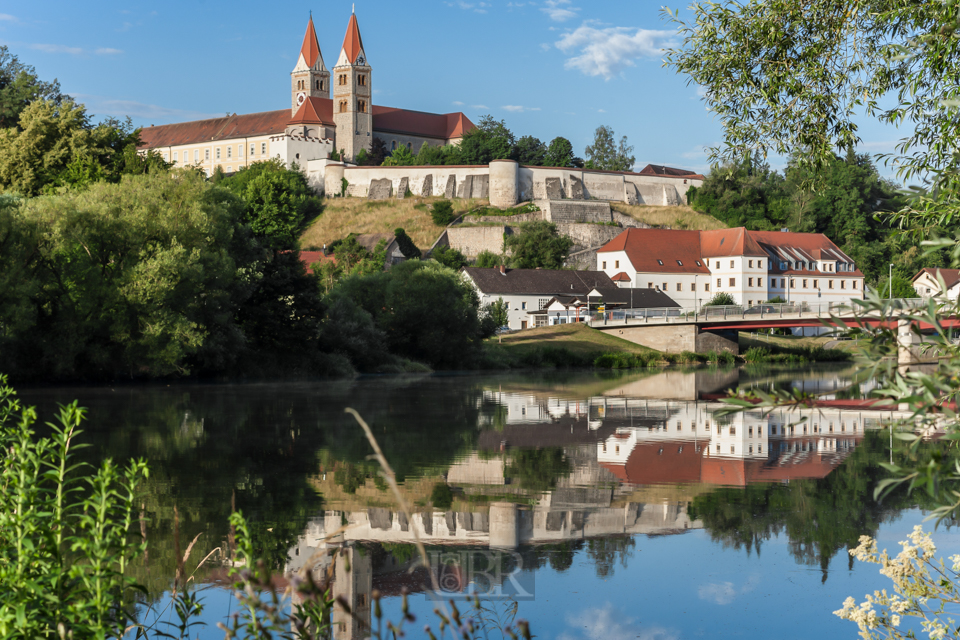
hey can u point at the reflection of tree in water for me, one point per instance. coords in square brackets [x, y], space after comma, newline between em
[537, 469]
[606, 551]
[820, 517]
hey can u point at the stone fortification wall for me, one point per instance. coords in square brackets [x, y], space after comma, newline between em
[587, 235]
[505, 183]
[471, 241]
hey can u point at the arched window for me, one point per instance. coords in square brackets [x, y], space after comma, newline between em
[362, 106]
[362, 81]
[393, 145]
[318, 85]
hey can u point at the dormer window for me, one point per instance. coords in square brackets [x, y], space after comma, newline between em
[679, 263]
[698, 263]
[660, 262]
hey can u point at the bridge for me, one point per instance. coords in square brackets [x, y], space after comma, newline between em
[715, 328]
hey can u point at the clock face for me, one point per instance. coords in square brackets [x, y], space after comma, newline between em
[301, 97]
[360, 60]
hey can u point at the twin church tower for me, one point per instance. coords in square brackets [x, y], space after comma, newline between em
[350, 84]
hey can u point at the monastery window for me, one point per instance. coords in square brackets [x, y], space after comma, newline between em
[393, 145]
[263, 148]
[410, 146]
[362, 80]
[751, 264]
[706, 287]
[616, 264]
[733, 450]
[843, 284]
[782, 283]
[319, 85]
[773, 283]
[604, 265]
[718, 283]
[854, 284]
[718, 264]
[253, 148]
[693, 286]
[679, 286]
[804, 283]
[731, 264]
[749, 282]
[206, 155]
[362, 106]
[733, 282]
[239, 150]
[793, 283]
[229, 152]
[196, 155]
[664, 287]
[816, 284]
[218, 153]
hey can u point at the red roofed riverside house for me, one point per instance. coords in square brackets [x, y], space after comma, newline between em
[752, 266]
[329, 112]
[927, 283]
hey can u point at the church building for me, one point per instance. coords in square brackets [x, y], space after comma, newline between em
[330, 110]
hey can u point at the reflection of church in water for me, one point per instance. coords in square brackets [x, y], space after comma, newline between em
[631, 455]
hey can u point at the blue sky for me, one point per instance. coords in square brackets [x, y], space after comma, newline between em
[548, 68]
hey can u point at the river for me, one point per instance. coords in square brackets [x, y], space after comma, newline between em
[606, 505]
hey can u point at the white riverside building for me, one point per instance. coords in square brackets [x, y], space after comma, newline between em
[752, 266]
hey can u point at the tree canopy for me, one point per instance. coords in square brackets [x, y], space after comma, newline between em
[608, 155]
[538, 244]
[20, 87]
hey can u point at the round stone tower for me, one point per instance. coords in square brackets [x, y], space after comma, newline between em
[503, 519]
[504, 183]
[332, 179]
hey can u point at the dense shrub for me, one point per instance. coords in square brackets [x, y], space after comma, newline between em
[442, 212]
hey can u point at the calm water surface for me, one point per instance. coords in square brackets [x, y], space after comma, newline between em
[610, 506]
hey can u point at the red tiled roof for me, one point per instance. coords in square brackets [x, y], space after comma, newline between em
[621, 277]
[729, 242]
[647, 248]
[309, 258]
[352, 43]
[803, 247]
[314, 111]
[234, 126]
[660, 462]
[430, 125]
[950, 276]
[310, 49]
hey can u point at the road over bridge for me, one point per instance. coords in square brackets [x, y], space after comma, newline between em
[715, 328]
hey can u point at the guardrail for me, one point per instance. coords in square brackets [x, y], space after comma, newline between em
[735, 312]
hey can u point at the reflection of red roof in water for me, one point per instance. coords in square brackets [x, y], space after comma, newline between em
[678, 461]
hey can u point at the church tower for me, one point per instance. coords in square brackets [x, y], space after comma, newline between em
[310, 77]
[352, 108]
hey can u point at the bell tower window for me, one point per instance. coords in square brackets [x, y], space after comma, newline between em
[362, 106]
[362, 81]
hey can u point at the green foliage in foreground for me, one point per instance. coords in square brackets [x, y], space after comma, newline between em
[621, 360]
[796, 355]
[538, 244]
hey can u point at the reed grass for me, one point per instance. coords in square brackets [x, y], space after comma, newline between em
[675, 217]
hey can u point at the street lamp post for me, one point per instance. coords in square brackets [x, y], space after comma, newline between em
[890, 283]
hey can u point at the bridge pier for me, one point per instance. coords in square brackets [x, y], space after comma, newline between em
[676, 338]
[909, 347]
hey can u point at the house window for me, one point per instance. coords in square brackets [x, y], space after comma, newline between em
[664, 287]
[750, 264]
[693, 286]
[804, 283]
[229, 152]
[773, 283]
[706, 286]
[718, 282]
[253, 149]
[393, 145]
[731, 264]
[523, 305]
[616, 264]
[718, 264]
[843, 284]
[649, 285]
[782, 285]
[206, 154]
[604, 265]
[218, 153]
[239, 150]
[679, 287]
[733, 282]
[816, 284]
[793, 283]
[733, 449]
[196, 155]
[229, 169]
[749, 282]
[854, 284]
[263, 148]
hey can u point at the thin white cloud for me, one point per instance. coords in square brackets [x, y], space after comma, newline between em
[559, 10]
[480, 106]
[545, 46]
[6, 17]
[73, 51]
[608, 51]
[601, 110]
[479, 7]
[723, 593]
[516, 108]
[105, 106]
[458, 103]
[607, 624]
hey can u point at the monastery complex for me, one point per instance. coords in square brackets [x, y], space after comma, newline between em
[332, 110]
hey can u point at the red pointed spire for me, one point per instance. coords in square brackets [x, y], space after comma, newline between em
[310, 50]
[352, 44]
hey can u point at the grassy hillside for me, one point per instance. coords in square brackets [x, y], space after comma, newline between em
[576, 338]
[343, 216]
[682, 217]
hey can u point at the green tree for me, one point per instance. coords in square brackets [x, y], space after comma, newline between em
[441, 212]
[407, 248]
[531, 152]
[538, 469]
[487, 259]
[608, 155]
[499, 313]
[902, 287]
[720, 300]
[559, 153]
[449, 257]
[538, 245]
[491, 140]
[20, 86]
[378, 152]
[400, 157]
[362, 158]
